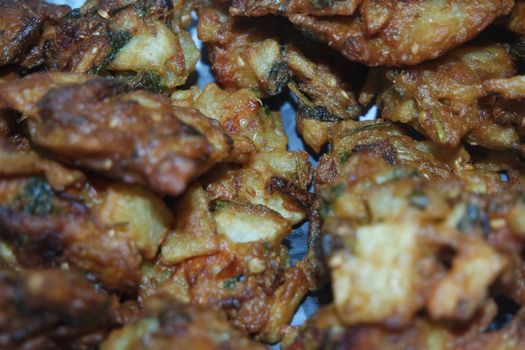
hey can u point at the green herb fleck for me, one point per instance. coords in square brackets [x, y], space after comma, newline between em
[344, 157]
[418, 199]
[148, 80]
[218, 204]
[267, 111]
[401, 173]
[324, 209]
[337, 190]
[230, 283]
[328, 197]
[36, 198]
[119, 39]
[440, 131]
[366, 128]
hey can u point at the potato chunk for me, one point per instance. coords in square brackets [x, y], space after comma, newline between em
[138, 213]
[376, 282]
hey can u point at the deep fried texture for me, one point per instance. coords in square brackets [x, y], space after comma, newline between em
[408, 33]
[167, 324]
[250, 281]
[323, 83]
[43, 309]
[516, 21]
[433, 224]
[25, 161]
[398, 145]
[247, 54]
[103, 229]
[324, 331]
[47, 230]
[315, 7]
[21, 23]
[131, 39]
[244, 53]
[136, 137]
[270, 175]
[226, 246]
[447, 101]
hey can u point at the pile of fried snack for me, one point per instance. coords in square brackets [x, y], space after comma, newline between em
[138, 211]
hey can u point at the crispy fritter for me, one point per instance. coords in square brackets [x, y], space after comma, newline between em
[47, 309]
[480, 171]
[130, 39]
[21, 24]
[167, 324]
[323, 83]
[324, 331]
[226, 245]
[47, 230]
[243, 53]
[446, 99]
[398, 145]
[250, 281]
[135, 137]
[403, 32]
[310, 7]
[431, 239]
[106, 231]
[269, 175]
[15, 162]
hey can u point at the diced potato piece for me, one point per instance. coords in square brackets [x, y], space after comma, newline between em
[194, 233]
[463, 290]
[241, 113]
[376, 282]
[157, 49]
[138, 213]
[257, 181]
[250, 223]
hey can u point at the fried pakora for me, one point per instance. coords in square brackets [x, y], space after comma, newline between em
[325, 331]
[324, 84]
[449, 99]
[72, 313]
[243, 54]
[136, 137]
[314, 8]
[167, 324]
[133, 40]
[21, 24]
[443, 258]
[226, 246]
[134, 220]
[403, 33]
[246, 55]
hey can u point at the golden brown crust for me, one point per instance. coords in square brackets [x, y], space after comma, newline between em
[167, 324]
[280, 7]
[427, 97]
[21, 23]
[134, 40]
[324, 331]
[244, 53]
[373, 202]
[136, 137]
[415, 31]
[44, 308]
